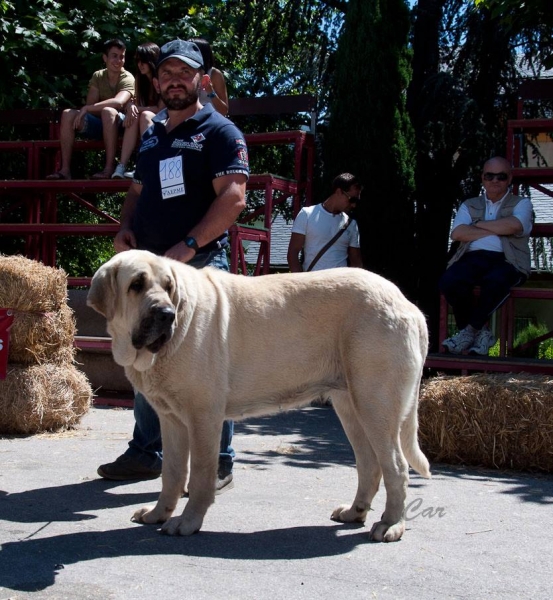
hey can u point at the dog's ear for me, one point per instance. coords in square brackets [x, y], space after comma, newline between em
[103, 293]
[177, 293]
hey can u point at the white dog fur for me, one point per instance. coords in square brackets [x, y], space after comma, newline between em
[205, 345]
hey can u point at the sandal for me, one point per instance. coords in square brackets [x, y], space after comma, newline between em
[57, 176]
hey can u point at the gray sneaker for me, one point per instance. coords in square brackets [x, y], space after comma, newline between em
[460, 341]
[119, 172]
[483, 341]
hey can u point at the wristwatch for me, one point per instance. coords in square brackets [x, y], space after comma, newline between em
[212, 94]
[191, 243]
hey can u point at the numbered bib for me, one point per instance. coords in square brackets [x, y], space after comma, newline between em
[171, 177]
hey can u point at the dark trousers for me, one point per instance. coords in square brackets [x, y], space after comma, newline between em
[483, 268]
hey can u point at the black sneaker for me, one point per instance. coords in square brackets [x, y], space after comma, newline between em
[127, 468]
[224, 483]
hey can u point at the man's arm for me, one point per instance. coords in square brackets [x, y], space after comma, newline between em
[94, 106]
[505, 226]
[354, 257]
[297, 241]
[223, 212]
[125, 239]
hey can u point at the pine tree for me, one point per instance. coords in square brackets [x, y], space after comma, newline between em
[370, 134]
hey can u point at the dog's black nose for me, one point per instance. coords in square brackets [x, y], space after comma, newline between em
[165, 315]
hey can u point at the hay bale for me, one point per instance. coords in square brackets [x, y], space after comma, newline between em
[28, 286]
[45, 397]
[44, 326]
[499, 421]
[43, 337]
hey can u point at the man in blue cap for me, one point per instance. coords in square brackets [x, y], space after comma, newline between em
[189, 186]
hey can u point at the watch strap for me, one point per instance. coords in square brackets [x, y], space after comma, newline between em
[191, 243]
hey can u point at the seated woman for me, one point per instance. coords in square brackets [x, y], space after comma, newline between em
[215, 92]
[146, 101]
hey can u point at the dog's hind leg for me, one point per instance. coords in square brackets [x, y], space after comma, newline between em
[368, 469]
[174, 471]
[381, 418]
[380, 407]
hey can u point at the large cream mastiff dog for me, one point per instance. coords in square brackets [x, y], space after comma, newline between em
[205, 345]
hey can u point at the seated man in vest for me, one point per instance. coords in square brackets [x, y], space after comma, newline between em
[493, 253]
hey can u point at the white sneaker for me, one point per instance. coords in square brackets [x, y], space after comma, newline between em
[483, 341]
[119, 172]
[460, 341]
[129, 174]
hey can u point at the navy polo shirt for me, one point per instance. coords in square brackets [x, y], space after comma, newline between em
[177, 169]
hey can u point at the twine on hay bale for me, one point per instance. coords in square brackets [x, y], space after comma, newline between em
[29, 286]
[499, 421]
[45, 397]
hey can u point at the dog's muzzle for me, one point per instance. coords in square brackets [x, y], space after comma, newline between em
[155, 329]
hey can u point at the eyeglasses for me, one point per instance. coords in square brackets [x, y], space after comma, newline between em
[352, 199]
[499, 176]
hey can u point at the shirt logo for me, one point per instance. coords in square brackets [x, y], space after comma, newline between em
[243, 157]
[189, 145]
[200, 137]
[149, 144]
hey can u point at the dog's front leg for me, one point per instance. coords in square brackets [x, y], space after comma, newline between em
[205, 435]
[174, 471]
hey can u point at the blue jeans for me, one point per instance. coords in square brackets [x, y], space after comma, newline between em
[492, 273]
[93, 129]
[146, 441]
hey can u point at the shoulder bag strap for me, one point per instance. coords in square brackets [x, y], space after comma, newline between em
[328, 245]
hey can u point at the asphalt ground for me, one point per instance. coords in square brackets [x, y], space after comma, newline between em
[66, 534]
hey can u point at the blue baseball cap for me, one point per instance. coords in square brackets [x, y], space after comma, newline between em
[188, 52]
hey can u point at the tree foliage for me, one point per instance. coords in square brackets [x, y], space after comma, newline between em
[51, 48]
[531, 20]
[370, 133]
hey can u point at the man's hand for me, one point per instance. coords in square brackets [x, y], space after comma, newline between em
[124, 240]
[181, 252]
[131, 115]
[79, 121]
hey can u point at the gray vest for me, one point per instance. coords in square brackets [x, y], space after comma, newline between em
[516, 249]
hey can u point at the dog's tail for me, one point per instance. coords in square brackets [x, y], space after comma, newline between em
[410, 443]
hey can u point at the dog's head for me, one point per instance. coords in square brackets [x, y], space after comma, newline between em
[138, 293]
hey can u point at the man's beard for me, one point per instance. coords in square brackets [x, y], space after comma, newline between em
[189, 99]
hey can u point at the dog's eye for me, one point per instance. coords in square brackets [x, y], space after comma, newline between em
[168, 286]
[137, 285]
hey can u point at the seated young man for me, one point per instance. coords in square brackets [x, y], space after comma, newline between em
[101, 117]
[494, 254]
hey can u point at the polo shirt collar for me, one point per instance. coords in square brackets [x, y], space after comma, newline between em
[199, 117]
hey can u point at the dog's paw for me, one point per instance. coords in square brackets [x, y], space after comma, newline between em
[383, 532]
[182, 526]
[350, 514]
[149, 515]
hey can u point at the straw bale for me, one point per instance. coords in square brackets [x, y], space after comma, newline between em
[498, 421]
[27, 285]
[39, 337]
[45, 397]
